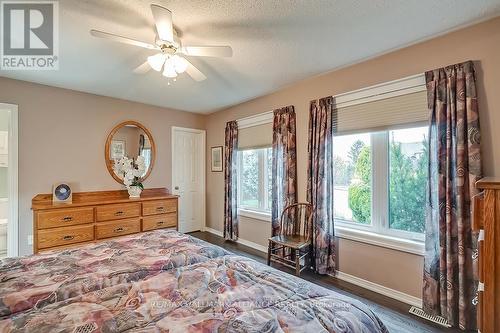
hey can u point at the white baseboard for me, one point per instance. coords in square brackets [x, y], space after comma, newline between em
[213, 231]
[240, 240]
[397, 295]
[252, 245]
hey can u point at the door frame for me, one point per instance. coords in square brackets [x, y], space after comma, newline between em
[12, 175]
[202, 153]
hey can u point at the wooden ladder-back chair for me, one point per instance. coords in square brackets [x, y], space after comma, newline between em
[293, 241]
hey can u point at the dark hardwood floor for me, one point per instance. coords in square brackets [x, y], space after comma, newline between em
[393, 310]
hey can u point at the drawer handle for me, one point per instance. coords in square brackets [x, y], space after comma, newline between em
[119, 213]
[120, 229]
[67, 218]
[160, 223]
[160, 208]
[68, 237]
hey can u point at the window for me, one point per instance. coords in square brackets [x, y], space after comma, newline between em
[255, 138]
[380, 164]
[380, 182]
[254, 183]
[352, 177]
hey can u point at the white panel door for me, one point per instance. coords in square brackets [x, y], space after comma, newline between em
[188, 177]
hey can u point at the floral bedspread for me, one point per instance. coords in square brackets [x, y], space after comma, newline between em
[34, 281]
[164, 281]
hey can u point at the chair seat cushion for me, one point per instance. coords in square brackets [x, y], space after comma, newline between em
[296, 242]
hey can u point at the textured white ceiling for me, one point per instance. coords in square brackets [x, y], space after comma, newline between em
[275, 43]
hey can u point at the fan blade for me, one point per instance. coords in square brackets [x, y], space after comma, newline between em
[194, 72]
[120, 39]
[208, 51]
[163, 21]
[142, 69]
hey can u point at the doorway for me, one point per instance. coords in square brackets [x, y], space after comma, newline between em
[188, 176]
[8, 180]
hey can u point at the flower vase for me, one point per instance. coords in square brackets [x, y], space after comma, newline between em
[134, 191]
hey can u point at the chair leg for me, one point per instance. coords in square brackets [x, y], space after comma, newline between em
[297, 263]
[269, 249]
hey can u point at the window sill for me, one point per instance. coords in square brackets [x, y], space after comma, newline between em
[254, 214]
[368, 237]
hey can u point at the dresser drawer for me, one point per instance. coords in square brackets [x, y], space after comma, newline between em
[159, 221]
[118, 211]
[65, 235]
[159, 207]
[65, 217]
[118, 228]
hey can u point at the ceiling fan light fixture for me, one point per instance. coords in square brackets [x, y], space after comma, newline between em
[180, 64]
[156, 61]
[170, 58]
[169, 69]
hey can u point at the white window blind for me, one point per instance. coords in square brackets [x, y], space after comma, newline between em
[255, 136]
[396, 104]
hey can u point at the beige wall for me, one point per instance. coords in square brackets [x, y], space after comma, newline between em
[393, 269]
[62, 135]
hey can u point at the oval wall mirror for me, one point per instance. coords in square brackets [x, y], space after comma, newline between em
[130, 139]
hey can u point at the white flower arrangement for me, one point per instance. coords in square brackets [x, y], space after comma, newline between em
[130, 171]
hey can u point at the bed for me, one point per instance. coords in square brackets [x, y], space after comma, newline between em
[165, 281]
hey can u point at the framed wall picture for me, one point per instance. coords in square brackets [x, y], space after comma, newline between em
[217, 156]
[117, 150]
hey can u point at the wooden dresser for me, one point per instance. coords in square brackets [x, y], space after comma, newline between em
[96, 216]
[486, 220]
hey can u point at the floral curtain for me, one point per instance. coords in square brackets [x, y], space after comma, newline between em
[284, 165]
[320, 183]
[454, 167]
[230, 182]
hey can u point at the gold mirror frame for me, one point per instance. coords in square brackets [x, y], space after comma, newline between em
[109, 162]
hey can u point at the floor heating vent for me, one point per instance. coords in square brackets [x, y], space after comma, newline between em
[435, 319]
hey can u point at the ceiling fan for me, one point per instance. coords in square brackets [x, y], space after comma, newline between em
[171, 57]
